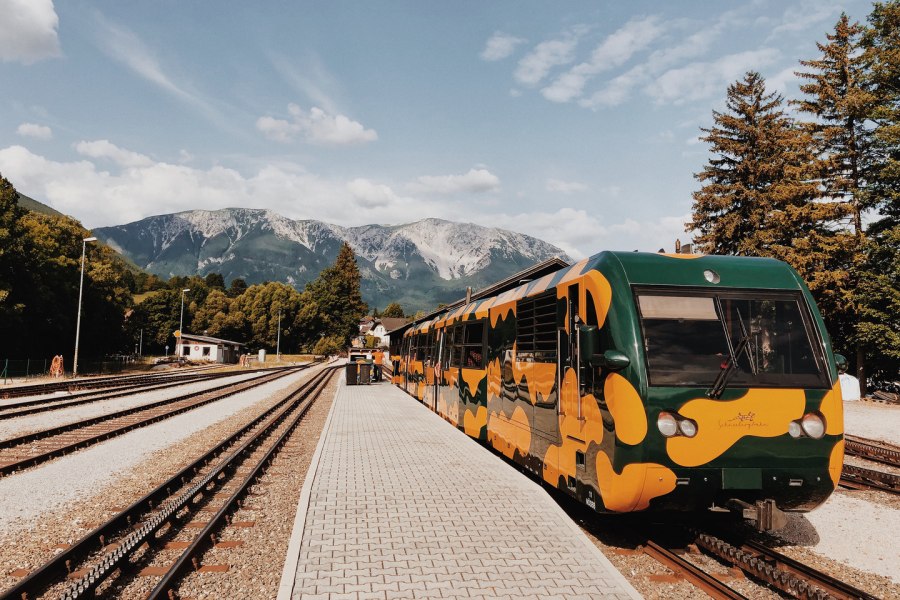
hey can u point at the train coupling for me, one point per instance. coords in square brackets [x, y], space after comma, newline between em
[765, 515]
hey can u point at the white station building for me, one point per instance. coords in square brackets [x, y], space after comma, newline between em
[205, 348]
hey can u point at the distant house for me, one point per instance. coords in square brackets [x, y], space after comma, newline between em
[205, 348]
[378, 327]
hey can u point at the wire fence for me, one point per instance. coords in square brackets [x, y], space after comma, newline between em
[30, 368]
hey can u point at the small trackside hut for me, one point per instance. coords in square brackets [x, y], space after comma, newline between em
[205, 348]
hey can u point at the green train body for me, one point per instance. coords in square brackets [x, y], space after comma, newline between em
[636, 381]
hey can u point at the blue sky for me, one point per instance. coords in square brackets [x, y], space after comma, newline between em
[575, 122]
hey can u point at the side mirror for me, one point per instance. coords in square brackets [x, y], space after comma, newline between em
[841, 362]
[611, 359]
[588, 342]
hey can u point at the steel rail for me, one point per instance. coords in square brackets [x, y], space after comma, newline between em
[19, 391]
[32, 407]
[45, 456]
[169, 509]
[854, 477]
[206, 538]
[873, 450]
[779, 571]
[58, 568]
[45, 433]
[691, 572]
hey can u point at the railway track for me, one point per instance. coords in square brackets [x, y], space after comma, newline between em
[862, 478]
[137, 536]
[35, 448]
[91, 383]
[30, 407]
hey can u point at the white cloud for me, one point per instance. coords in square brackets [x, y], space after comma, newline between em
[41, 132]
[371, 193]
[580, 233]
[316, 127]
[565, 187]
[700, 80]
[108, 150]
[475, 181]
[28, 31]
[614, 51]
[136, 187]
[500, 45]
[805, 15]
[535, 65]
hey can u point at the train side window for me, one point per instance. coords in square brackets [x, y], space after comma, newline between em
[474, 345]
[536, 323]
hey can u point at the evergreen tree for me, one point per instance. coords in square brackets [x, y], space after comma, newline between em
[238, 287]
[336, 292]
[838, 96]
[393, 310]
[878, 295]
[757, 198]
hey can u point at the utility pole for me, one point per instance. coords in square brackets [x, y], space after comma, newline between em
[80, 290]
[278, 343]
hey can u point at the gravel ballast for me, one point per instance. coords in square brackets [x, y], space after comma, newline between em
[26, 496]
[852, 536]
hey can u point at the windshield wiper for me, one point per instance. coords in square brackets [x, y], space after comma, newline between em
[728, 367]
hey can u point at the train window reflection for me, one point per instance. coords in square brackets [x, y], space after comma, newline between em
[688, 340]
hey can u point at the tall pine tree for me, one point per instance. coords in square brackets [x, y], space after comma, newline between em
[878, 294]
[839, 98]
[336, 292]
[757, 197]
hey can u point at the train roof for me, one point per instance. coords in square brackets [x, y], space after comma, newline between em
[637, 268]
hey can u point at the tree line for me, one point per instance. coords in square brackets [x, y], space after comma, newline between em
[124, 307]
[815, 182]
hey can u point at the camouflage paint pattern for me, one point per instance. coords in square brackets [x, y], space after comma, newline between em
[596, 438]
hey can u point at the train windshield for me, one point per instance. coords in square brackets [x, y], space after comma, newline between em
[690, 340]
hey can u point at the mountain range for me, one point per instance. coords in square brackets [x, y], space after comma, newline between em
[418, 264]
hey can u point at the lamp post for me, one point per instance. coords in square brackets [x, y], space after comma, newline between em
[80, 290]
[278, 343]
[181, 322]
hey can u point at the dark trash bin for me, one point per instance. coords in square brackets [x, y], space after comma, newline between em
[352, 373]
[365, 374]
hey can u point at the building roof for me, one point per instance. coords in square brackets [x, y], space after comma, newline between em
[209, 340]
[391, 323]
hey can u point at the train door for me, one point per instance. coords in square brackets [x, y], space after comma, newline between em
[568, 374]
[437, 365]
[428, 396]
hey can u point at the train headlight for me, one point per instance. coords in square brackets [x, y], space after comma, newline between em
[794, 429]
[667, 424]
[813, 425]
[687, 428]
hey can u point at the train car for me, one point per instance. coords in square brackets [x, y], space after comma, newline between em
[636, 381]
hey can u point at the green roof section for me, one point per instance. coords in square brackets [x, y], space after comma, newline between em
[647, 268]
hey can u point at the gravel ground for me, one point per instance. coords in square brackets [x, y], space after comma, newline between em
[874, 420]
[862, 552]
[40, 421]
[25, 497]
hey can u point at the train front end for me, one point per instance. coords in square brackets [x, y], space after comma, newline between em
[738, 378]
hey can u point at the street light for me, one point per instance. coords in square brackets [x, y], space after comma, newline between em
[278, 343]
[181, 321]
[80, 289]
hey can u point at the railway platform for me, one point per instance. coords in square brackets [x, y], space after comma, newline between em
[399, 504]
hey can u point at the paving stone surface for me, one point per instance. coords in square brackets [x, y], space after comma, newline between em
[403, 505]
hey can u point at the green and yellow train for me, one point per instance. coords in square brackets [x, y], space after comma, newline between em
[636, 381]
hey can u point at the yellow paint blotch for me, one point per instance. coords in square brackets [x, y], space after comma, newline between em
[508, 434]
[626, 408]
[473, 422]
[759, 413]
[836, 462]
[635, 487]
[601, 291]
[832, 408]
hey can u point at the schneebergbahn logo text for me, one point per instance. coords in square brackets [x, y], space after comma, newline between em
[742, 420]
